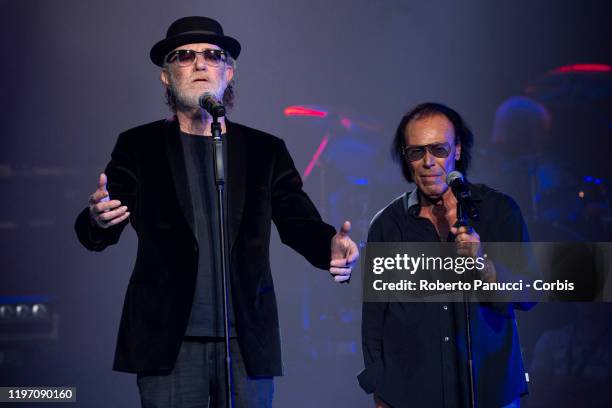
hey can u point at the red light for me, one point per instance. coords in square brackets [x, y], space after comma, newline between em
[304, 111]
[583, 68]
[315, 157]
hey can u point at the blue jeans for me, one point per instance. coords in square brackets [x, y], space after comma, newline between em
[198, 379]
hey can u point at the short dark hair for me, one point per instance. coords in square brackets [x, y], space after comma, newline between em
[463, 135]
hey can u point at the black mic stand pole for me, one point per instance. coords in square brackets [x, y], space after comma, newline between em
[462, 222]
[220, 181]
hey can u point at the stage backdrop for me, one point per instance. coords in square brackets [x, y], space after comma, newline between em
[76, 73]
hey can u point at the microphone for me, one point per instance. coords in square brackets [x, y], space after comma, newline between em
[208, 102]
[461, 191]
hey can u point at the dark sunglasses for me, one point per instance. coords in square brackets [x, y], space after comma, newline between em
[414, 153]
[184, 58]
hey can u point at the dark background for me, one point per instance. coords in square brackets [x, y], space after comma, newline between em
[76, 73]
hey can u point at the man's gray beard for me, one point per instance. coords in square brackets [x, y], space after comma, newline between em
[184, 102]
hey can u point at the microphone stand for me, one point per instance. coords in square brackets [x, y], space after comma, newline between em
[219, 166]
[462, 222]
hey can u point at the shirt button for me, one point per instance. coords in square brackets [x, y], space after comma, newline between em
[446, 338]
[445, 307]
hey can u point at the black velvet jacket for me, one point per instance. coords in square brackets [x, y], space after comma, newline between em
[147, 173]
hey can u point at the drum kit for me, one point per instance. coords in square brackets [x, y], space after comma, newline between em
[549, 150]
[553, 145]
[349, 172]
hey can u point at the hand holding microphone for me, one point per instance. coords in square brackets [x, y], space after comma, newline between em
[468, 240]
[461, 191]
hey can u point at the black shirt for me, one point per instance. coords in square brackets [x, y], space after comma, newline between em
[206, 317]
[415, 353]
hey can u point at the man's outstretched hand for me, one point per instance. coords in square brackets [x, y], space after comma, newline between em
[103, 211]
[344, 254]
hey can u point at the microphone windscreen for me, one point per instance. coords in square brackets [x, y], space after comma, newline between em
[204, 99]
[452, 176]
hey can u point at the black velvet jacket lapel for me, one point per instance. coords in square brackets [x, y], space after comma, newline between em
[236, 179]
[176, 158]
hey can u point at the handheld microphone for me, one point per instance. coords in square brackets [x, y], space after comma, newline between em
[208, 102]
[461, 191]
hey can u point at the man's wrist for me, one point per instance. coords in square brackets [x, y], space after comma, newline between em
[489, 274]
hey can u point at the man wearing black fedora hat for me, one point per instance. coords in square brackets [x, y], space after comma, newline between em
[160, 179]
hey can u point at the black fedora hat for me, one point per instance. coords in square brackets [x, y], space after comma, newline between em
[195, 29]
